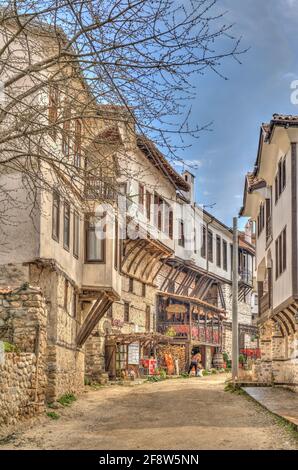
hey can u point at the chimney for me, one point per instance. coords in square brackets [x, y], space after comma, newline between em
[190, 179]
[248, 231]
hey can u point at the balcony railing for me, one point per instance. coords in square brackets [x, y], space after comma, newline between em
[203, 334]
[246, 276]
[269, 230]
[264, 303]
[96, 188]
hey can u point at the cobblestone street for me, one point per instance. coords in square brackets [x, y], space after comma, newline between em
[174, 414]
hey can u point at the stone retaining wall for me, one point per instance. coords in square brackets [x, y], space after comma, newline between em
[23, 381]
[21, 395]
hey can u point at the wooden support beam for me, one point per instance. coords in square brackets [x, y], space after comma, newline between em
[96, 312]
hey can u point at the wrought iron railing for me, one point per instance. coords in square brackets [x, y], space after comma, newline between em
[269, 229]
[97, 188]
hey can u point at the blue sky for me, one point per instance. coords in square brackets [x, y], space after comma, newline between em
[253, 92]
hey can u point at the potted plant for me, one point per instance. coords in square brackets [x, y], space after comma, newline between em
[241, 360]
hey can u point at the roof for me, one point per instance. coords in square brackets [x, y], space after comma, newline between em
[245, 245]
[160, 162]
[254, 182]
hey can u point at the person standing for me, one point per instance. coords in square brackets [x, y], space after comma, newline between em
[195, 359]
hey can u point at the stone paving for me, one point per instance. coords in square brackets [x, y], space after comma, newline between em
[279, 401]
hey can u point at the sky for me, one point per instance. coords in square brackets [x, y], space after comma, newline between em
[256, 89]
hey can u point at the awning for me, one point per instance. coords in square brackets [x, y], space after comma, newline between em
[208, 308]
[142, 338]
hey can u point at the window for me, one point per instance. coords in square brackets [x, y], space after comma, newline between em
[210, 246]
[224, 255]
[158, 211]
[126, 312]
[95, 243]
[53, 110]
[143, 290]
[148, 205]
[280, 178]
[261, 219]
[281, 253]
[256, 301]
[130, 284]
[66, 226]
[147, 325]
[66, 132]
[218, 251]
[171, 223]
[141, 197]
[56, 216]
[195, 241]
[76, 234]
[181, 239]
[203, 247]
[116, 245]
[78, 143]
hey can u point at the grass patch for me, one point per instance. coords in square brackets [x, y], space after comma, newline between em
[67, 399]
[52, 415]
[155, 378]
[232, 388]
[279, 420]
[9, 347]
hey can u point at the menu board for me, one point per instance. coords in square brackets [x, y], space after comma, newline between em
[134, 353]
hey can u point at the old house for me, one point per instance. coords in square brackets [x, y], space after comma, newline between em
[270, 199]
[194, 304]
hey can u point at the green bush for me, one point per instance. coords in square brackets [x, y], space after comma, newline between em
[225, 357]
[8, 347]
[67, 399]
[241, 359]
[53, 415]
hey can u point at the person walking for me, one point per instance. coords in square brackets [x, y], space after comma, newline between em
[195, 359]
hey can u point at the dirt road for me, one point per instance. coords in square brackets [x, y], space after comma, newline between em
[175, 414]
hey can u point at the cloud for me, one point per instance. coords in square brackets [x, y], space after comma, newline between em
[192, 164]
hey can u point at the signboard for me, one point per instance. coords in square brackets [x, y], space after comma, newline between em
[134, 353]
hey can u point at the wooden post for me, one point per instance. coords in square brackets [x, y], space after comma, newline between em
[235, 346]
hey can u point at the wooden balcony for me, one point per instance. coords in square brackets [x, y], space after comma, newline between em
[181, 331]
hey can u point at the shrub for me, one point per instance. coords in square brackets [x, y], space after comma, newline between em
[225, 357]
[67, 399]
[8, 347]
[53, 415]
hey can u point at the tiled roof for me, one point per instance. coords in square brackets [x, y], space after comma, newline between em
[158, 160]
[254, 182]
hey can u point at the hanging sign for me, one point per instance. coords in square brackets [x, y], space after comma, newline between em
[134, 353]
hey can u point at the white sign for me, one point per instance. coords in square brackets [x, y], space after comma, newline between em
[134, 353]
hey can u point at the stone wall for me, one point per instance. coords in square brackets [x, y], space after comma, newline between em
[21, 395]
[65, 362]
[22, 373]
[279, 362]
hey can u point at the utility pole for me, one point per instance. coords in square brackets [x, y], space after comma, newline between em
[235, 275]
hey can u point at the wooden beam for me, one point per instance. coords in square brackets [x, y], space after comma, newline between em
[96, 312]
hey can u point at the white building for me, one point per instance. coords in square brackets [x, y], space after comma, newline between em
[270, 198]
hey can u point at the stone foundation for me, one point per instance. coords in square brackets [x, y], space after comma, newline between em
[279, 362]
[21, 395]
[22, 373]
